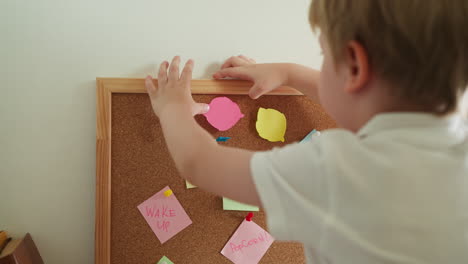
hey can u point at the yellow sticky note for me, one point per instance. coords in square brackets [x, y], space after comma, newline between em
[168, 193]
[271, 124]
[189, 185]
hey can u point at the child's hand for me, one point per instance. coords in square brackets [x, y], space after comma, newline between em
[266, 77]
[172, 90]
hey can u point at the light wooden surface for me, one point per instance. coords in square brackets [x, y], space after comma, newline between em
[103, 173]
[123, 85]
[105, 88]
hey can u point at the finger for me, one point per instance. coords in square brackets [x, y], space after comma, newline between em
[236, 72]
[199, 108]
[162, 74]
[247, 59]
[234, 61]
[186, 75]
[174, 69]
[258, 90]
[150, 88]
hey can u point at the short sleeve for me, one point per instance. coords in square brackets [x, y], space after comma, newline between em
[370, 198]
[292, 185]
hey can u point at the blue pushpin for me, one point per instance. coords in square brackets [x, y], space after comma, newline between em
[222, 139]
[309, 136]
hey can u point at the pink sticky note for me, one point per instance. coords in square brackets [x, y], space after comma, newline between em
[164, 214]
[223, 113]
[248, 244]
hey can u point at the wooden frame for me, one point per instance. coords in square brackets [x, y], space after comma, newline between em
[105, 88]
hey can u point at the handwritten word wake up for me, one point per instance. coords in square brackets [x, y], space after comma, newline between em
[161, 213]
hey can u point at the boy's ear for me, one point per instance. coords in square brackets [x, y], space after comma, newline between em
[357, 66]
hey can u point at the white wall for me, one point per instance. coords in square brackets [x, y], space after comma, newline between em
[52, 51]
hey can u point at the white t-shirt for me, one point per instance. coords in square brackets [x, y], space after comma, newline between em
[395, 192]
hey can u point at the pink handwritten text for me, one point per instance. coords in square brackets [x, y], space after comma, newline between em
[262, 237]
[164, 225]
[163, 212]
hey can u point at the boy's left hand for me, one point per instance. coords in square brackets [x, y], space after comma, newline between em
[173, 90]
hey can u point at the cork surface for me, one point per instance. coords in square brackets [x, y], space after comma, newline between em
[141, 166]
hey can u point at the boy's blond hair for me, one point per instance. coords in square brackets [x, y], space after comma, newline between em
[420, 47]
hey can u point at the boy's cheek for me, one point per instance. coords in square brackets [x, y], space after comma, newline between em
[325, 93]
[330, 92]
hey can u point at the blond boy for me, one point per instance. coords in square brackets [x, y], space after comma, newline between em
[389, 186]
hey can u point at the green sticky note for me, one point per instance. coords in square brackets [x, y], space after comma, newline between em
[165, 260]
[189, 185]
[232, 205]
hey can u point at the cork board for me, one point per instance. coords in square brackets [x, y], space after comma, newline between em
[139, 165]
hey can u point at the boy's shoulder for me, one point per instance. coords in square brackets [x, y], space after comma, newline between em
[409, 127]
[388, 142]
[377, 179]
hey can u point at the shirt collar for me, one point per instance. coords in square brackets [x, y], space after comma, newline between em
[396, 120]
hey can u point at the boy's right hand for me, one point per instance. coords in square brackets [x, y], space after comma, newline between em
[266, 77]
